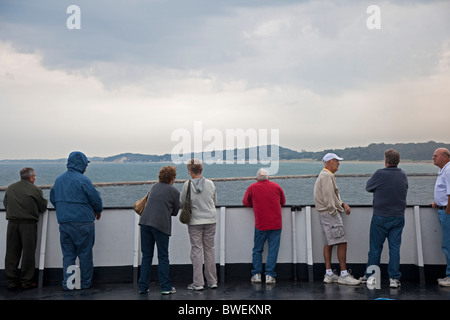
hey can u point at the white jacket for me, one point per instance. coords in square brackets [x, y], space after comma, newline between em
[203, 200]
[326, 194]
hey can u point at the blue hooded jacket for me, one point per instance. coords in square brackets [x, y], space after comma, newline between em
[73, 195]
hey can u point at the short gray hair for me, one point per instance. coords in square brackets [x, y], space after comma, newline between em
[26, 173]
[195, 166]
[262, 174]
[446, 152]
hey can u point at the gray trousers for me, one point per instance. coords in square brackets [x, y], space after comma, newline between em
[21, 239]
[203, 248]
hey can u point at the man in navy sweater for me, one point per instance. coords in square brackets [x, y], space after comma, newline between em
[389, 187]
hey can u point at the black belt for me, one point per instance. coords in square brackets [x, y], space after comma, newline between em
[441, 208]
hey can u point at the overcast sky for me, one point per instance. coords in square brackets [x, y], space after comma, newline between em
[139, 70]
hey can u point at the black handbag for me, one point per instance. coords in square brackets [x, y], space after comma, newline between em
[185, 215]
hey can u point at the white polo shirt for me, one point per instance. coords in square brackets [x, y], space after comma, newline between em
[442, 186]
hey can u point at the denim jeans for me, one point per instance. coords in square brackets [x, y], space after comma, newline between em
[444, 219]
[273, 237]
[150, 236]
[380, 229]
[77, 240]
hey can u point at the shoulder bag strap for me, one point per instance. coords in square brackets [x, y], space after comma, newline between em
[188, 193]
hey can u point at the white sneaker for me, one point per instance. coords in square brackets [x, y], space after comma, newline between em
[194, 287]
[171, 291]
[349, 280]
[394, 283]
[330, 279]
[445, 282]
[212, 286]
[270, 279]
[256, 278]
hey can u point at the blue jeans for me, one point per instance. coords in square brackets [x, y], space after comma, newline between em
[77, 240]
[150, 236]
[444, 219]
[273, 237]
[380, 229]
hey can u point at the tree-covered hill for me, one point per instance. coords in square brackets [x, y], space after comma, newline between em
[373, 152]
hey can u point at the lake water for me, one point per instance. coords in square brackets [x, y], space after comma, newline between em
[298, 191]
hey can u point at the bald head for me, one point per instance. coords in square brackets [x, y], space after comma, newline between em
[441, 157]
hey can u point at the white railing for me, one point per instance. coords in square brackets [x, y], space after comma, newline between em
[117, 240]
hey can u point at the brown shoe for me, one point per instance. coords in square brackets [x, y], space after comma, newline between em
[32, 285]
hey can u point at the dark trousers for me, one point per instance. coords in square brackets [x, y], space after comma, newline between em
[149, 237]
[21, 239]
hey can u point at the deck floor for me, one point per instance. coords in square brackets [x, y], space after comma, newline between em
[234, 290]
[277, 301]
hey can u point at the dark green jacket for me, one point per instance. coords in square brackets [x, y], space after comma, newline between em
[23, 202]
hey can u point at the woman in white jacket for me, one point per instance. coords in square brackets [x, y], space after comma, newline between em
[202, 226]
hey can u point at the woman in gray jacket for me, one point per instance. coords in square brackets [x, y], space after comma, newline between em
[202, 226]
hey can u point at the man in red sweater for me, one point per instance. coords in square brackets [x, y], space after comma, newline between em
[266, 198]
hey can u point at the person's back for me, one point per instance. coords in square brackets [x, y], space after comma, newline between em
[390, 187]
[77, 205]
[203, 201]
[24, 201]
[162, 204]
[266, 198]
[73, 194]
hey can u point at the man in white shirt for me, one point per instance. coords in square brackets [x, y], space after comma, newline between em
[441, 158]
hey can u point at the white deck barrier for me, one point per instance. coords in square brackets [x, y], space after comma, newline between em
[117, 238]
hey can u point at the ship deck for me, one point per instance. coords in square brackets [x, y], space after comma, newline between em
[301, 258]
[235, 299]
[238, 290]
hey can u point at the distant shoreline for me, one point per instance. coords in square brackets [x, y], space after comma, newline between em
[361, 161]
[409, 153]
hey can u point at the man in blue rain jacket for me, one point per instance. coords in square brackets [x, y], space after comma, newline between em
[77, 205]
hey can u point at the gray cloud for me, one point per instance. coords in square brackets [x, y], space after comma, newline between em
[270, 64]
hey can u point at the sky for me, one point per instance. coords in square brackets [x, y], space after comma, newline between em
[125, 76]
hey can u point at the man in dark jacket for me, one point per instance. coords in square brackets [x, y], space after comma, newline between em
[23, 202]
[77, 205]
[389, 187]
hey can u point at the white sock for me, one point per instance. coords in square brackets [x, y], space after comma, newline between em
[329, 272]
[343, 273]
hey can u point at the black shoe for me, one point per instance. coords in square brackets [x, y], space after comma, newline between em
[32, 285]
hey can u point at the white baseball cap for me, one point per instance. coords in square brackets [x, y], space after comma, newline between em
[330, 156]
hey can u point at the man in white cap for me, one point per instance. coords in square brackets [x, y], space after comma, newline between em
[330, 206]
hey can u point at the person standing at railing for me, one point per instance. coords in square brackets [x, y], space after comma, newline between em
[23, 202]
[330, 206]
[156, 228]
[389, 187]
[202, 226]
[441, 159]
[78, 204]
[266, 198]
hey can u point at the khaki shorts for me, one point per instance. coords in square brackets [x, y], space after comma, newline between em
[333, 228]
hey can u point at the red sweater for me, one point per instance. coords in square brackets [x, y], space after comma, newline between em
[266, 198]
